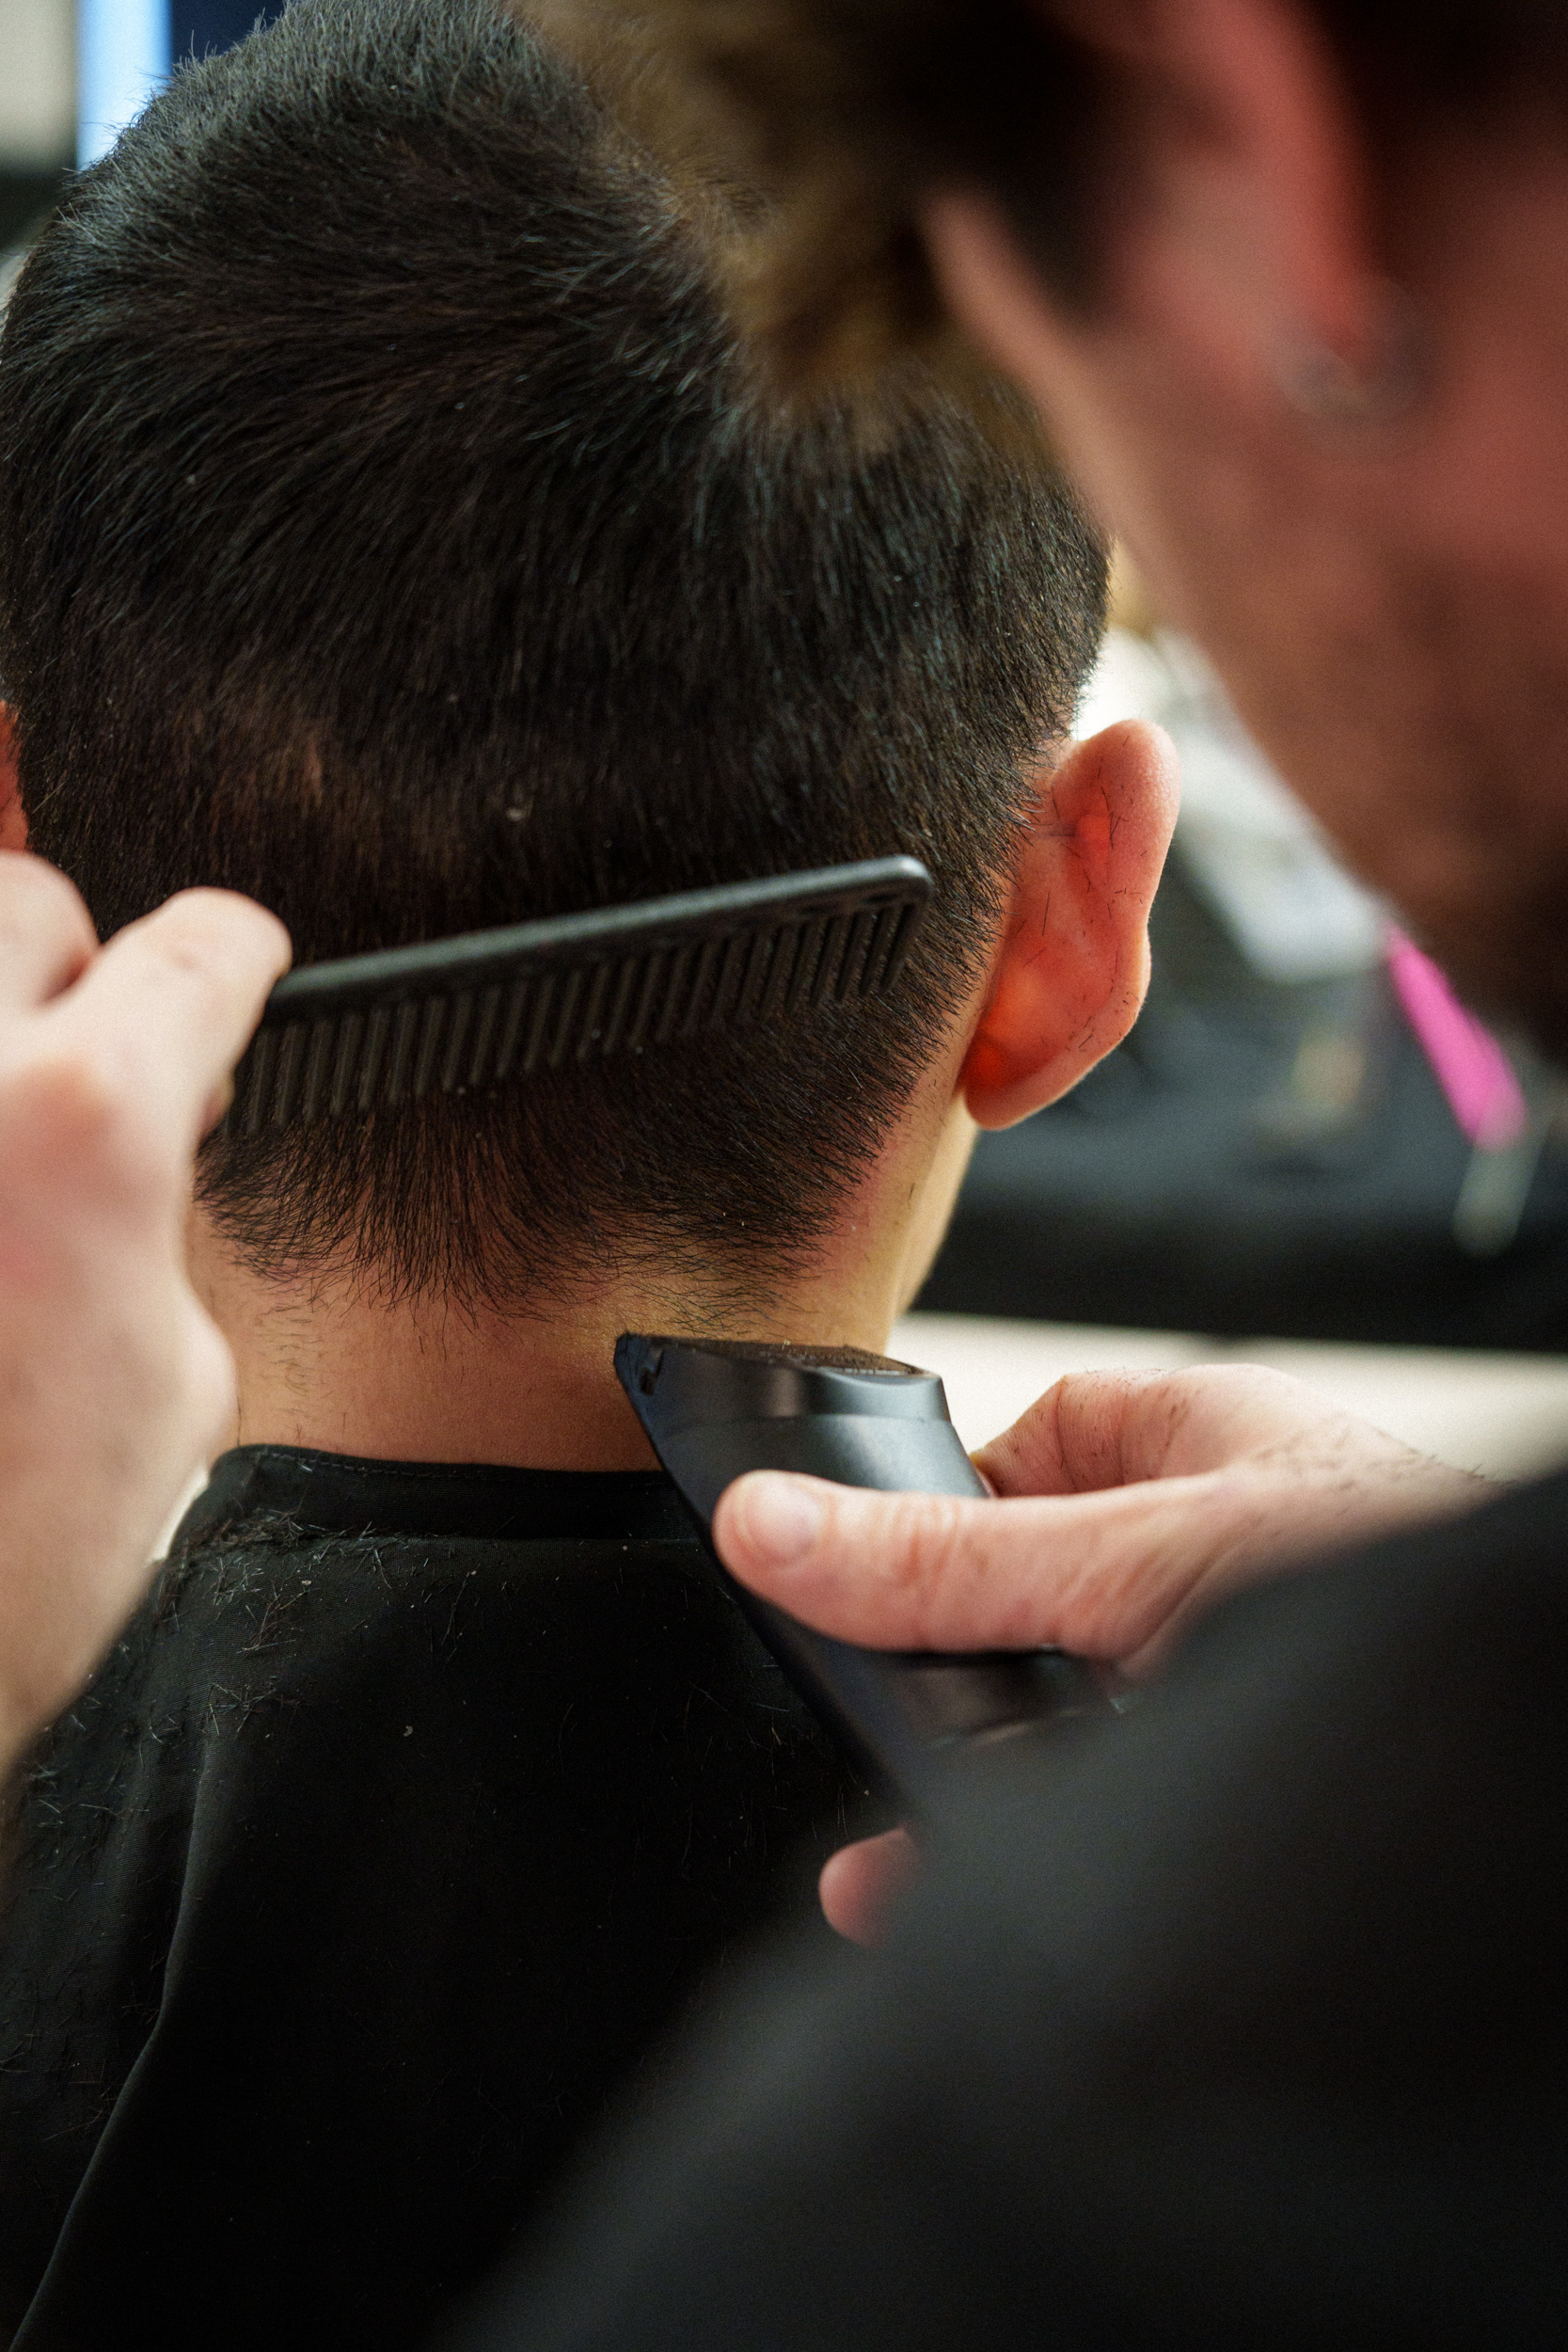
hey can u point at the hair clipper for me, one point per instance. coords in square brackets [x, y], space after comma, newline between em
[714, 1409]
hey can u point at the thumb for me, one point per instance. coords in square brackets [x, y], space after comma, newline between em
[861, 1885]
[1099, 1574]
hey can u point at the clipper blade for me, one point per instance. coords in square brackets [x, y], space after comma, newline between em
[462, 1015]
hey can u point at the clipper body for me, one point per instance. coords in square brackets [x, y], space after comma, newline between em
[714, 1409]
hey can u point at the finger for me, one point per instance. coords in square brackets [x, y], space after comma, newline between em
[1095, 1430]
[861, 1886]
[1100, 1574]
[212, 1419]
[176, 998]
[217, 1104]
[1090, 1431]
[46, 934]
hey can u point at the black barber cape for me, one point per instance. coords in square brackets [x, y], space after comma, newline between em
[1240, 2027]
[412, 1806]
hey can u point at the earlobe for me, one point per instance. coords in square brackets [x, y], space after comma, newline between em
[1073, 961]
[13, 817]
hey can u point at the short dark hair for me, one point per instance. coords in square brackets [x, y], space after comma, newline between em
[850, 112]
[392, 528]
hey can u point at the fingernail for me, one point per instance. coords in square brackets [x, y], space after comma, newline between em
[779, 1518]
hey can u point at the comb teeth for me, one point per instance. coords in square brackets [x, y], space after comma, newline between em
[461, 1016]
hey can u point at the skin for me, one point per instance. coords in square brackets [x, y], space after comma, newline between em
[113, 1381]
[1388, 603]
[326, 1362]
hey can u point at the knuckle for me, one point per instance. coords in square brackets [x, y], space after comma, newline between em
[1111, 1614]
[213, 935]
[183, 939]
[35, 892]
[929, 1536]
[1251, 1402]
[208, 1380]
[924, 1536]
[42, 919]
[1022, 1575]
[60, 1094]
[68, 1121]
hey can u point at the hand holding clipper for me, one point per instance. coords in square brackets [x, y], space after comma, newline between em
[714, 1409]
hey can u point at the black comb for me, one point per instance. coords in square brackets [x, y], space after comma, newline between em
[455, 1015]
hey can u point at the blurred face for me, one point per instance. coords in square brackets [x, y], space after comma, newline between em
[1387, 600]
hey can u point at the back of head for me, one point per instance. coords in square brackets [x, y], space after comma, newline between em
[389, 529]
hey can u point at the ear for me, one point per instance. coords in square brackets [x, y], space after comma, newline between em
[1073, 967]
[13, 819]
[1249, 241]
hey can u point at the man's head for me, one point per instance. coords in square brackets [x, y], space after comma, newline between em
[1286, 278]
[392, 529]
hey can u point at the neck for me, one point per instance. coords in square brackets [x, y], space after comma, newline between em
[323, 1361]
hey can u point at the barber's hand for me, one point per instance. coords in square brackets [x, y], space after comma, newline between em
[114, 1384]
[1133, 1500]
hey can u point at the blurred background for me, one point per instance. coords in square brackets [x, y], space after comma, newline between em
[72, 72]
[1304, 1135]
[1306, 1153]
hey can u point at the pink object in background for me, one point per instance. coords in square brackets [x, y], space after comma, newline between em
[1473, 1070]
